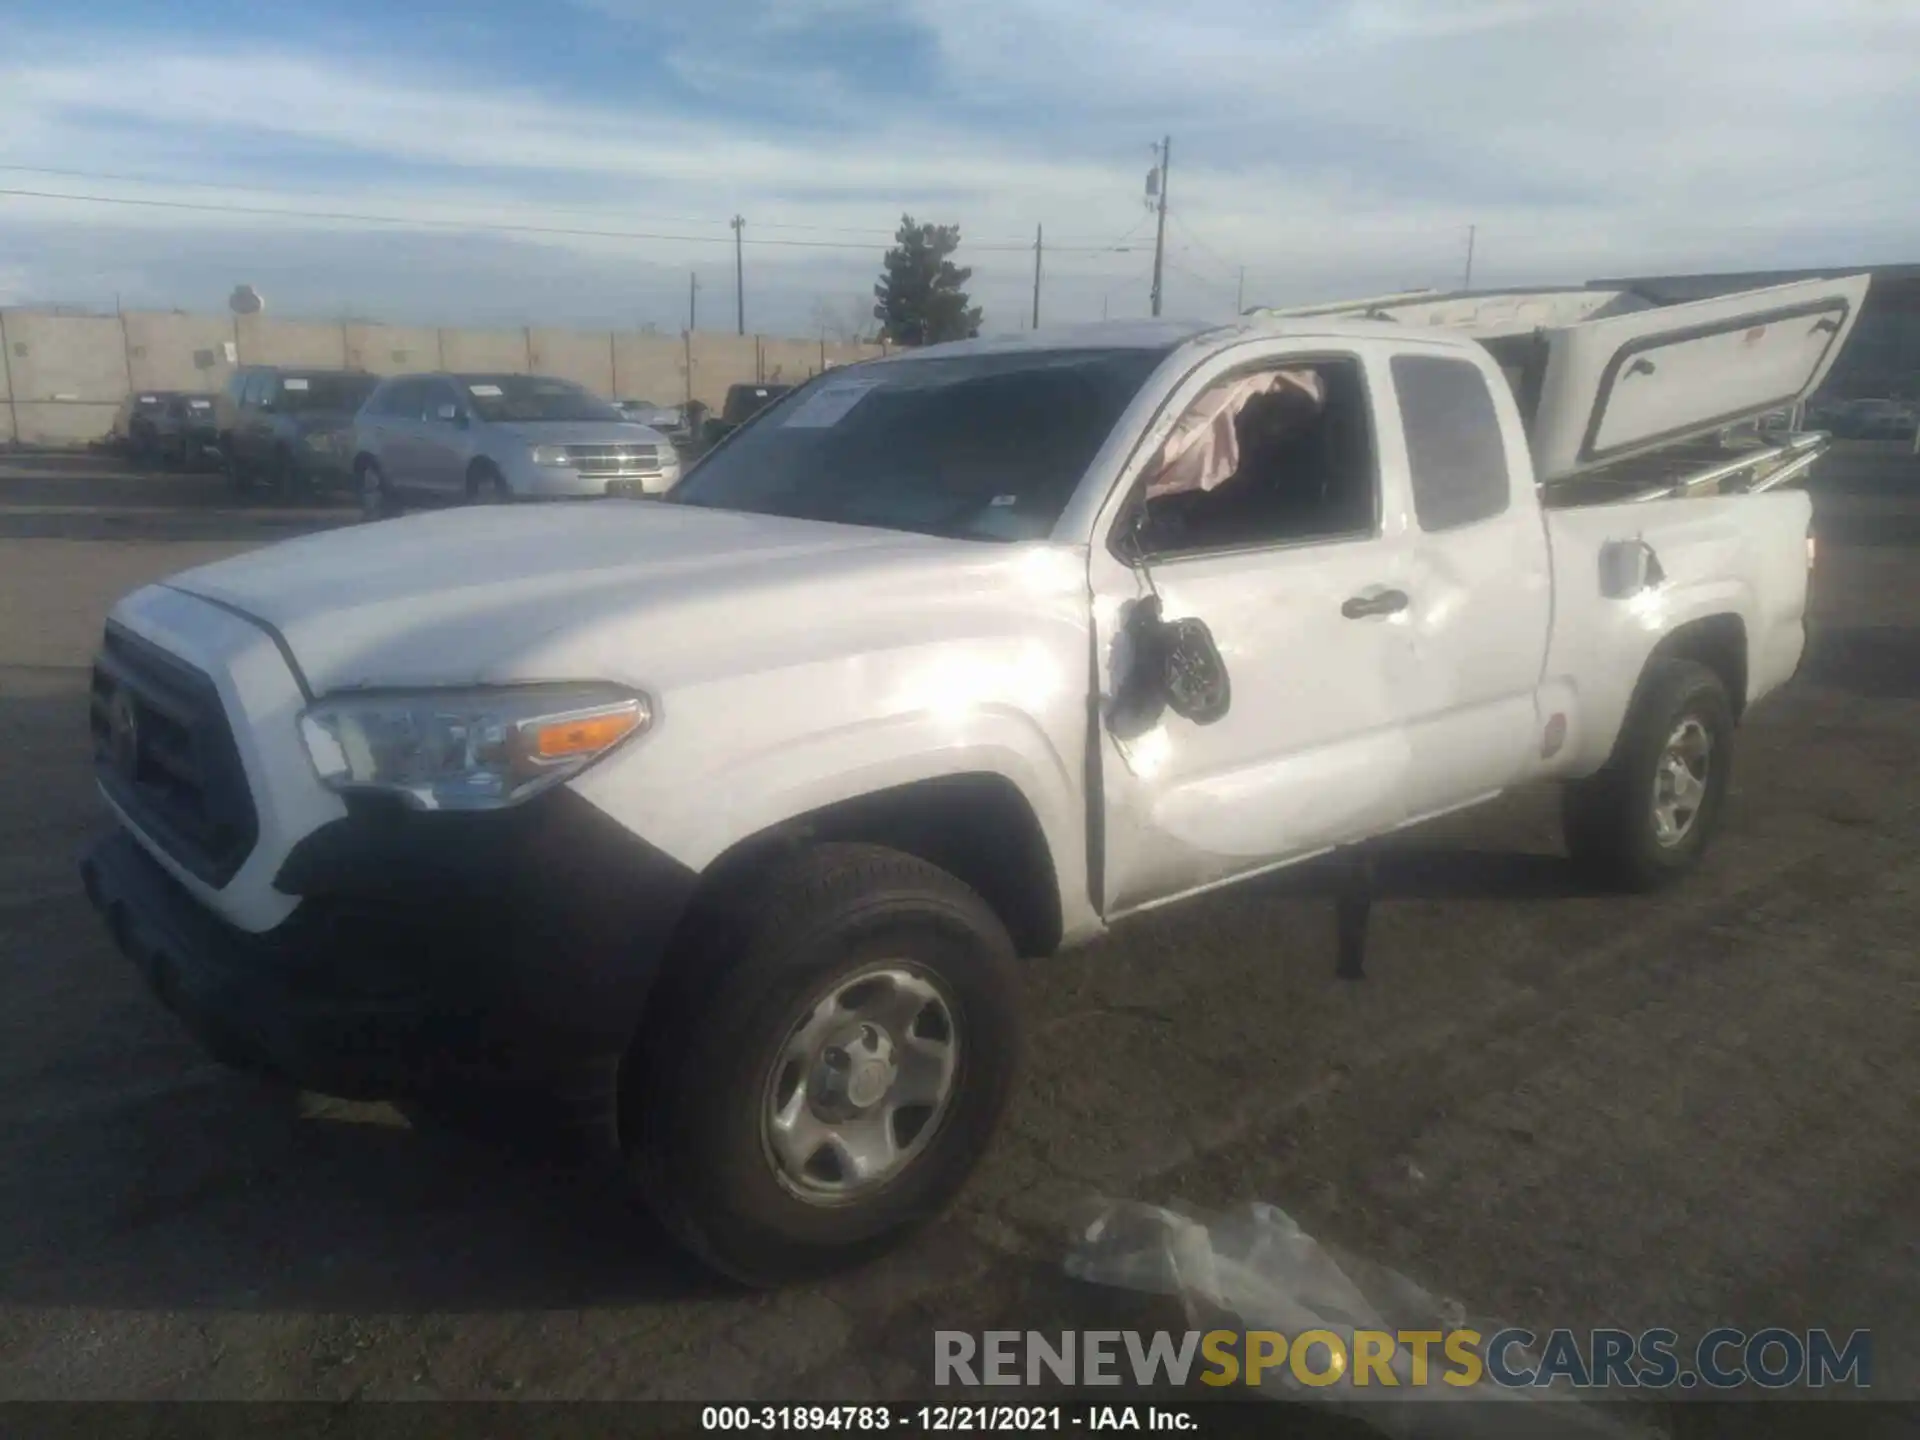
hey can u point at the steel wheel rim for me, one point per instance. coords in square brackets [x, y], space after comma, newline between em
[1680, 779]
[861, 1084]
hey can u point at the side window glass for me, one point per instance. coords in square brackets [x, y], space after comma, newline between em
[1455, 451]
[1279, 455]
[393, 400]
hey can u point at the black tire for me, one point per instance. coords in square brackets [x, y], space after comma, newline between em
[375, 493]
[285, 480]
[487, 486]
[1611, 819]
[700, 1081]
[237, 474]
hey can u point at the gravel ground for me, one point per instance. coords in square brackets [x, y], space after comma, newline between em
[1685, 1110]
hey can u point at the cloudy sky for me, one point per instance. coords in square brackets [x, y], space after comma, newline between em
[1329, 147]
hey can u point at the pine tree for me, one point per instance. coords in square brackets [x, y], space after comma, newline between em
[920, 297]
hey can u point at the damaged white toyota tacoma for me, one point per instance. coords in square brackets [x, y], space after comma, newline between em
[718, 823]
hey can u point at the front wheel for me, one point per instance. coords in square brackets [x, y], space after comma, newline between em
[286, 479]
[824, 1074]
[377, 498]
[1649, 815]
[487, 486]
[237, 474]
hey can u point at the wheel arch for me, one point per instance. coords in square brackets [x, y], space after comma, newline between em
[1719, 642]
[977, 826]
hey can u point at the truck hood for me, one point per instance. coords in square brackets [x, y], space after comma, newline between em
[639, 592]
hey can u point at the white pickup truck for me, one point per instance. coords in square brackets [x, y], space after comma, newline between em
[720, 821]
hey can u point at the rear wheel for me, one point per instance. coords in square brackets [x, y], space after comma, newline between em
[824, 1074]
[377, 499]
[1649, 815]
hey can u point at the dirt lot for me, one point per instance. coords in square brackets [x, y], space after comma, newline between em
[1687, 1110]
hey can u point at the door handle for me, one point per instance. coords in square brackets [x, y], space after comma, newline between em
[1384, 602]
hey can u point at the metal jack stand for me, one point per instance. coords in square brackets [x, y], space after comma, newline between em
[1353, 907]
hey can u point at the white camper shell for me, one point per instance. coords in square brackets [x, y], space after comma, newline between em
[1619, 391]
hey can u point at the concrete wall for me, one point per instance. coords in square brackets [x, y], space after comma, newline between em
[178, 352]
[68, 375]
[263, 340]
[392, 349]
[650, 367]
[720, 361]
[495, 352]
[6, 383]
[580, 356]
[787, 361]
[65, 375]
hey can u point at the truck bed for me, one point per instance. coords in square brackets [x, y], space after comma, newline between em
[1735, 465]
[1607, 378]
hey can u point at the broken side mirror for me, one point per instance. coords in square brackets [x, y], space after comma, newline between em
[1161, 665]
[1196, 677]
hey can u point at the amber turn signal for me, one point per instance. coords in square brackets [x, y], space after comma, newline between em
[572, 735]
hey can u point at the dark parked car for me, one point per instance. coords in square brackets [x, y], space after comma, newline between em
[742, 404]
[170, 425]
[290, 427]
[1877, 420]
[183, 433]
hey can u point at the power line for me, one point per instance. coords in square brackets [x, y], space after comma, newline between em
[163, 181]
[1200, 244]
[365, 218]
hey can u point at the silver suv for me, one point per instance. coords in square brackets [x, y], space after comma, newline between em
[489, 438]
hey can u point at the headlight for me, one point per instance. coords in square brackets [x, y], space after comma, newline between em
[468, 749]
[550, 455]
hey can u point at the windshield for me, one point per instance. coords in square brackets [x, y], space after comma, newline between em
[301, 393]
[984, 447]
[515, 398]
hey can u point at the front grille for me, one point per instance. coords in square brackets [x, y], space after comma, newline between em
[163, 750]
[615, 459]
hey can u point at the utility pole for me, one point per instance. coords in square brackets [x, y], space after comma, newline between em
[693, 300]
[1240, 293]
[1160, 235]
[739, 273]
[1036, 277]
[1470, 233]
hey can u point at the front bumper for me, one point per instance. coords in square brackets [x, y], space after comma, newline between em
[559, 482]
[504, 952]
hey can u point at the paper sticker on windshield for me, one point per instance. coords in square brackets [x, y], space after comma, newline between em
[149, 399]
[485, 392]
[200, 404]
[297, 383]
[829, 404]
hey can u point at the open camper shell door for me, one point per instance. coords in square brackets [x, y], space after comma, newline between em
[1621, 386]
[1604, 375]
